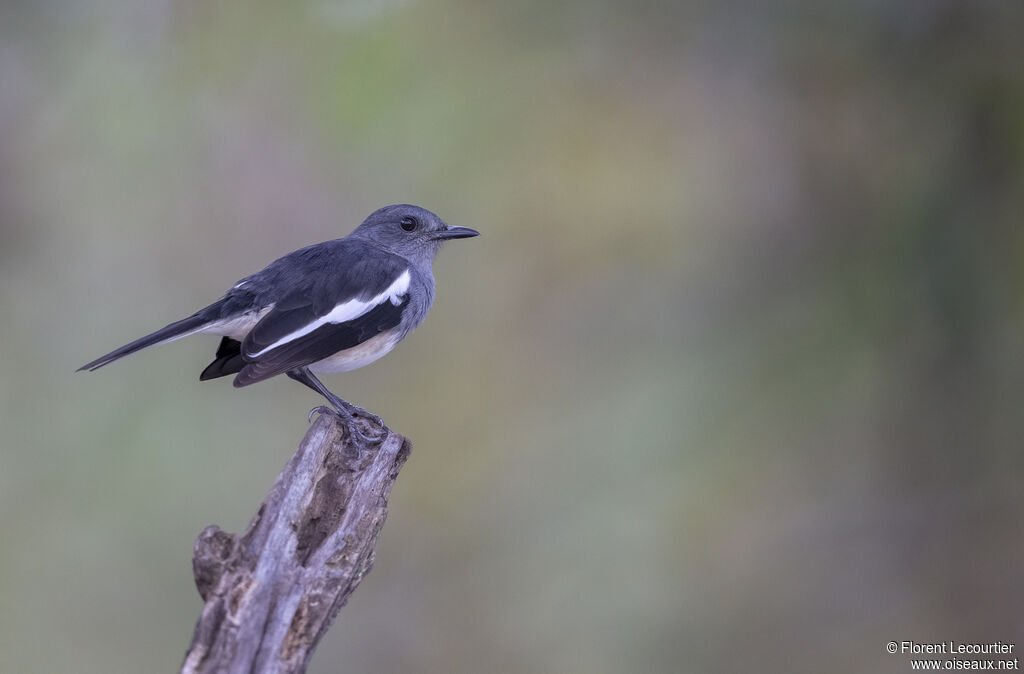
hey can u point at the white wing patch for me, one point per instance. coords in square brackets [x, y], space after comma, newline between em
[346, 311]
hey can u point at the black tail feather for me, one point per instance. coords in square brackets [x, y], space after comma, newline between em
[173, 331]
[228, 361]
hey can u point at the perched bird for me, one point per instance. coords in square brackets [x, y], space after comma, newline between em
[332, 307]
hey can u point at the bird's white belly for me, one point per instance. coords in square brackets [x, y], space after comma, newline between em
[357, 356]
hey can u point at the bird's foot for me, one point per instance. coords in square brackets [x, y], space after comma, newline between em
[324, 409]
[363, 414]
[355, 420]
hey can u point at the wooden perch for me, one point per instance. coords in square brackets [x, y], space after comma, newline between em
[272, 592]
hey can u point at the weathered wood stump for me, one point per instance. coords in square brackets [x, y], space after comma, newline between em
[272, 592]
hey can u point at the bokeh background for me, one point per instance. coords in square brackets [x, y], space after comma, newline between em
[731, 382]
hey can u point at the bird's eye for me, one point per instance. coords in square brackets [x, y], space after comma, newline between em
[409, 224]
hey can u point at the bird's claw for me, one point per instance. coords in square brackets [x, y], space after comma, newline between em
[357, 426]
[372, 418]
[348, 417]
[321, 409]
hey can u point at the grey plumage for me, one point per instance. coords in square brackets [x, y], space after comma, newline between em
[330, 307]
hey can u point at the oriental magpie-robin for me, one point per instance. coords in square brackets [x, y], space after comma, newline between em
[332, 307]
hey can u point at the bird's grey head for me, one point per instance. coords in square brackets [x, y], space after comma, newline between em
[410, 231]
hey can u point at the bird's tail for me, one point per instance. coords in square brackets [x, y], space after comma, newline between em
[183, 328]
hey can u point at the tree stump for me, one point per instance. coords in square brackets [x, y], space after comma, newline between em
[271, 593]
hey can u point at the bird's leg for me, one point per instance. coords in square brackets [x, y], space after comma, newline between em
[342, 408]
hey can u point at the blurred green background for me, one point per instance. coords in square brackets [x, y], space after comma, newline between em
[731, 382]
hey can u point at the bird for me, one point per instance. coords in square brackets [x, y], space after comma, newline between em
[330, 307]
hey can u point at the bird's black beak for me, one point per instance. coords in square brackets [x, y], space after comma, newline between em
[457, 233]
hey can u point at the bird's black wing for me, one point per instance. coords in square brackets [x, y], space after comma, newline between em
[332, 311]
